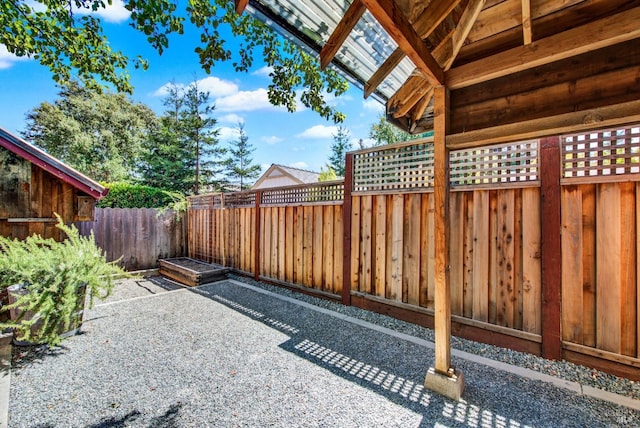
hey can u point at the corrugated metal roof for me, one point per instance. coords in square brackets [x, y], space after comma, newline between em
[50, 164]
[363, 52]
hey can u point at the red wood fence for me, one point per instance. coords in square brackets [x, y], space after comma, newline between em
[544, 242]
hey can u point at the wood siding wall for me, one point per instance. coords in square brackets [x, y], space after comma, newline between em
[139, 236]
[39, 197]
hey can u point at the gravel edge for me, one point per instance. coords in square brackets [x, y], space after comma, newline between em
[565, 370]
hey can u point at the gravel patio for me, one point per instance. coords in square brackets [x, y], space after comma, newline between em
[236, 353]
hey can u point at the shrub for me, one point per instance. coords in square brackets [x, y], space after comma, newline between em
[127, 195]
[56, 277]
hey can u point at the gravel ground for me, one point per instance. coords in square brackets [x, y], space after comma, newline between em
[223, 355]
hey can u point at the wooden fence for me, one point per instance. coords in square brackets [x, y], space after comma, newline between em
[137, 236]
[544, 242]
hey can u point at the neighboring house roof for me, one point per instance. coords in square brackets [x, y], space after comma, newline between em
[281, 172]
[52, 165]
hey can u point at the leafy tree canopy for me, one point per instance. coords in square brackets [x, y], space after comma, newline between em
[98, 133]
[327, 174]
[64, 36]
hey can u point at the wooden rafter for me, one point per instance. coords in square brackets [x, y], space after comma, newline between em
[598, 34]
[444, 54]
[399, 28]
[428, 20]
[241, 5]
[527, 34]
[340, 34]
[387, 67]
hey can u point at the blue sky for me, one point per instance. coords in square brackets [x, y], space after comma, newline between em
[301, 139]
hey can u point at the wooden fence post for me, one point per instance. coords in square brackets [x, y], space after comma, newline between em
[256, 238]
[551, 255]
[346, 236]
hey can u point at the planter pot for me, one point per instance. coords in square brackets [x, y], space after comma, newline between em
[17, 290]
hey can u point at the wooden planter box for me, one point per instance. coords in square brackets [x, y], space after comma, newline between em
[191, 272]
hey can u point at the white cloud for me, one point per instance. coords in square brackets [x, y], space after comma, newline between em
[245, 101]
[318, 132]
[264, 71]
[7, 59]
[114, 12]
[299, 165]
[163, 90]
[373, 105]
[226, 134]
[217, 87]
[272, 139]
[231, 118]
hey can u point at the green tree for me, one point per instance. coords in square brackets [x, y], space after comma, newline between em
[98, 133]
[198, 128]
[341, 145]
[166, 161]
[65, 37]
[240, 167]
[382, 132]
[327, 174]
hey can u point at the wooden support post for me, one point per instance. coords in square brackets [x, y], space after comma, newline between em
[551, 260]
[442, 378]
[441, 233]
[346, 236]
[256, 238]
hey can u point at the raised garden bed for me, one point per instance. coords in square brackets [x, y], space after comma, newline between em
[191, 272]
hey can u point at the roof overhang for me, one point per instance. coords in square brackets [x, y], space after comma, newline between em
[547, 67]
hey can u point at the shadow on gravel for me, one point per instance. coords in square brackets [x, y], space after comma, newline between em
[167, 420]
[395, 368]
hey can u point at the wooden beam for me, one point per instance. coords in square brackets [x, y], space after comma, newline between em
[429, 19]
[241, 5]
[442, 298]
[604, 117]
[340, 34]
[527, 34]
[387, 67]
[347, 212]
[396, 24]
[605, 32]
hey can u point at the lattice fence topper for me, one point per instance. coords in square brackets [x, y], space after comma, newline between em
[607, 152]
[328, 191]
[394, 167]
[410, 167]
[240, 199]
[500, 163]
[203, 202]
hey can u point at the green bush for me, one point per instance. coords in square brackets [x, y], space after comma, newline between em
[56, 278]
[127, 195]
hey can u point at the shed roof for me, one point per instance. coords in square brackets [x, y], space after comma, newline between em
[510, 65]
[50, 164]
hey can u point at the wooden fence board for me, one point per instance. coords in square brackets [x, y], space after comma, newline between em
[628, 266]
[608, 245]
[356, 228]
[396, 247]
[308, 247]
[281, 243]
[572, 269]
[531, 267]
[380, 244]
[327, 248]
[637, 273]
[493, 258]
[298, 274]
[289, 244]
[318, 256]
[456, 250]
[411, 250]
[481, 245]
[467, 249]
[338, 246]
[365, 244]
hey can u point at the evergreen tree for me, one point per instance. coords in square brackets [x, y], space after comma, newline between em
[239, 164]
[341, 145]
[166, 161]
[198, 128]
